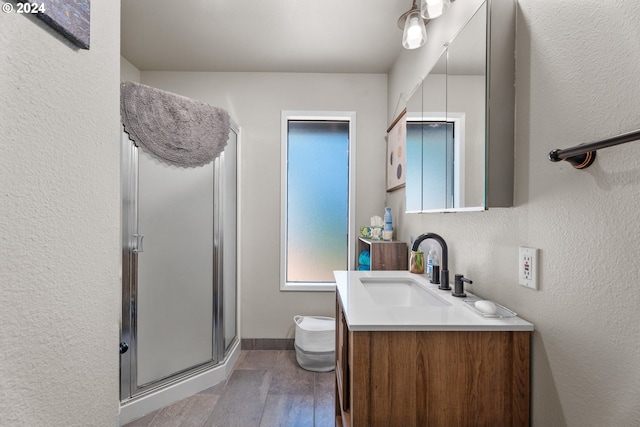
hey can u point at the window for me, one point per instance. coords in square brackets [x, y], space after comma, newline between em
[435, 163]
[317, 149]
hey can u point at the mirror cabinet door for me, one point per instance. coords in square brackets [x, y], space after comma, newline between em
[413, 187]
[466, 111]
[448, 115]
[436, 149]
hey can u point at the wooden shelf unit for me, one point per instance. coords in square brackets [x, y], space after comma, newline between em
[385, 255]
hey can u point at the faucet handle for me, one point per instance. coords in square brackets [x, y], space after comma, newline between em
[444, 279]
[458, 285]
[435, 275]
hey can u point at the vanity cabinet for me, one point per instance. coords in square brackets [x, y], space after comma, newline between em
[431, 378]
[385, 255]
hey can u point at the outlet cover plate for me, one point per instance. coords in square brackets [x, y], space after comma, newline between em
[528, 267]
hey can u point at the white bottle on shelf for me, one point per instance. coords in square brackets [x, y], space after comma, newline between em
[387, 232]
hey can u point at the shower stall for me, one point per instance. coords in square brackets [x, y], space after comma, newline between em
[179, 331]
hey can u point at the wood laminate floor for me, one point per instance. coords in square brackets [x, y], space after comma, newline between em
[266, 388]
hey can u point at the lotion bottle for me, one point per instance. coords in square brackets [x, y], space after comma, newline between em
[387, 232]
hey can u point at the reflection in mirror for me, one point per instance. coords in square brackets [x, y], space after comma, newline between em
[466, 83]
[431, 180]
[438, 172]
[413, 185]
[437, 154]
[446, 127]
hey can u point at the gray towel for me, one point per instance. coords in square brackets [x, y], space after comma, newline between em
[176, 129]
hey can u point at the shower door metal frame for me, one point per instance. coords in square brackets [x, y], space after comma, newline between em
[132, 244]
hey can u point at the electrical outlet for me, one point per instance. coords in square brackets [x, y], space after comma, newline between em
[528, 267]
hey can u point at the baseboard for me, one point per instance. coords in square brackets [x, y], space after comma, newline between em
[267, 344]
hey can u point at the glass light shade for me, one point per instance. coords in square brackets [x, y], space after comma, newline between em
[415, 34]
[430, 9]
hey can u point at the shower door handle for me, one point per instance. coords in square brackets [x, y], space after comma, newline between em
[139, 239]
[123, 347]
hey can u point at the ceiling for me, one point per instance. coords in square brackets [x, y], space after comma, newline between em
[323, 36]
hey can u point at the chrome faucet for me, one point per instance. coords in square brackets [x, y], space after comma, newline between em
[443, 280]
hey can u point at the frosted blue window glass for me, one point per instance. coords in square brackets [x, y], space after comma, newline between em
[317, 200]
[437, 165]
[430, 154]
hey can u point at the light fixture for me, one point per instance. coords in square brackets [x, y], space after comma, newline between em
[413, 21]
[430, 9]
[415, 33]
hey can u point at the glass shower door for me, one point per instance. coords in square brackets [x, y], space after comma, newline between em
[179, 267]
[175, 269]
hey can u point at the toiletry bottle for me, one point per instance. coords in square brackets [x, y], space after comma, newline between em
[432, 259]
[387, 232]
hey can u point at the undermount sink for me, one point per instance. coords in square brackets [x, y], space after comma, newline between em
[401, 292]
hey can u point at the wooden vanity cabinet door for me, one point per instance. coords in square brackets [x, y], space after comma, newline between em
[342, 397]
[439, 378]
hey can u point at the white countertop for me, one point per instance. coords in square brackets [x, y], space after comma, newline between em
[364, 314]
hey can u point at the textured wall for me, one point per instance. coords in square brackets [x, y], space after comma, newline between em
[59, 222]
[577, 81]
[255, 101]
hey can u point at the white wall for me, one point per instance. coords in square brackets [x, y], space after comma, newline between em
[577, 67]
[128, 71]
[255, 101]
[59, 223]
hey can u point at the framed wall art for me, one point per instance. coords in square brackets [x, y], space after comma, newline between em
[71, 18]
[397, 153]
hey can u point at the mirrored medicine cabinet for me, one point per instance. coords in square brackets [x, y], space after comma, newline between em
[460, 119]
